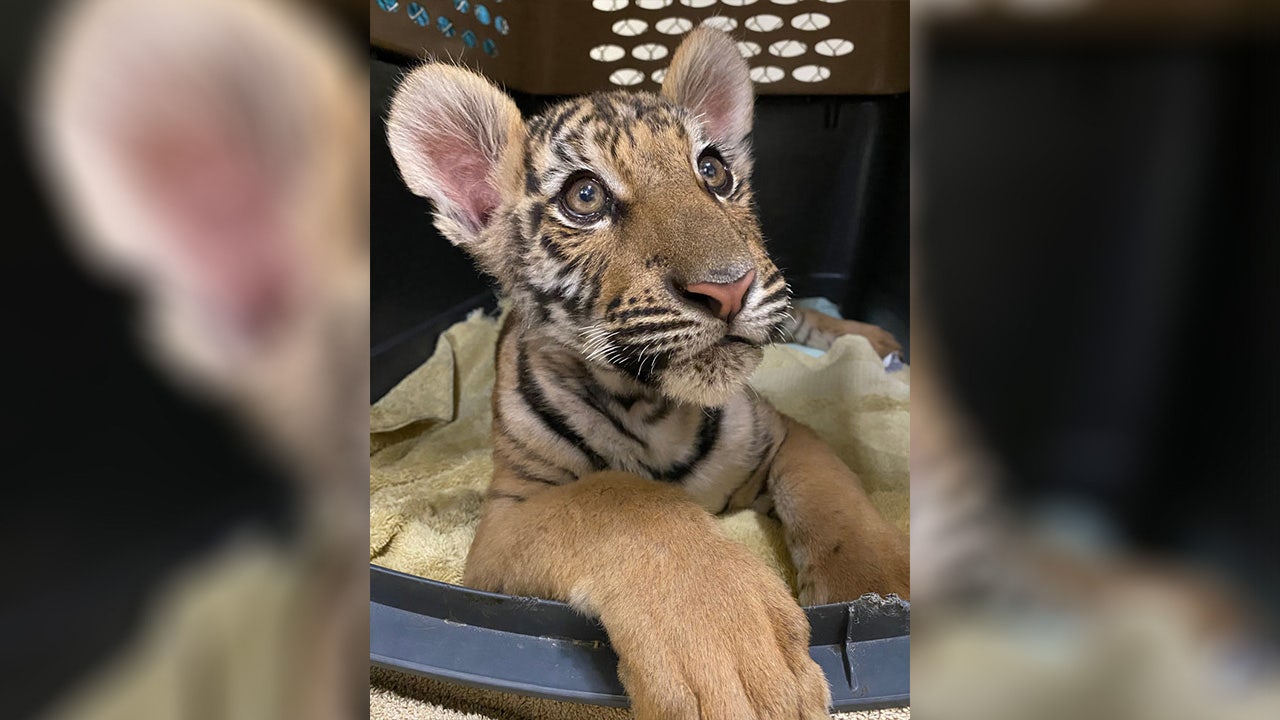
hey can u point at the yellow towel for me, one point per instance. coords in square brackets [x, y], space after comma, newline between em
[431, 463]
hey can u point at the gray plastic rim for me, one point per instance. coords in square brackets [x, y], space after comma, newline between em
[546, 649]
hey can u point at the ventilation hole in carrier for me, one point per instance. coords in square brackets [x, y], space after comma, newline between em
[785, 2]
[810, 21]
[738, 3]
[721, 22]
[787, 48]
[658, 75]
[749, 49]
[649, 51]
[609, 5]
[766, 74]
[389, 5]
[482, 14]
[763, 23]
[653, 4]
[697, 3]
[630, 27]
[833, 47]
[811, 73]
[626, 76]
[673, 26]
[607, 53]
[418, 15]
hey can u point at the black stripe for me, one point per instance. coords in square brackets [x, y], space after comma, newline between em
[554, 251]
[655, 327]
[660, 413]
[519, 469]
[553, 128]
[614, 135]
[550, 416]
[535, 217]
[593, 290]
[543, 301]
[574, 137]
[603, 106]
[493, 495]
[643, 312]
[594, 396]
[596, 405]
[775, 277]
[644, 369]
[500, 424]
[530, 178]
[527, 475]
[779, 294]
[562, 154]
[708, 434]
[764, 440]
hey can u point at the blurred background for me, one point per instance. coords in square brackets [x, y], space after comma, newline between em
[1093, 326]
[127, 473]
[1095, 226]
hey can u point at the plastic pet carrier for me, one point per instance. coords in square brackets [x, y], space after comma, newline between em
[830, 178]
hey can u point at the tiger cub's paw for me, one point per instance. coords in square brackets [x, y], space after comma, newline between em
[727, 642]
[850, 568]
[882, 341]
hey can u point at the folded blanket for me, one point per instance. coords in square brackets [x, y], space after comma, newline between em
[430, 457]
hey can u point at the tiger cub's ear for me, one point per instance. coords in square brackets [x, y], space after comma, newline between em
[449, 130]
[709, 76]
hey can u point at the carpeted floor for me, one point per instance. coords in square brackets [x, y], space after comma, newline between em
[397, 696]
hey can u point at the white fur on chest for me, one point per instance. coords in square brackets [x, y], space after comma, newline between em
[711, 453]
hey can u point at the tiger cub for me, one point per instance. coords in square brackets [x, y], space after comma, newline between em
[620, 226]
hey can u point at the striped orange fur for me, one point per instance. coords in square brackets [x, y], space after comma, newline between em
[621, 226]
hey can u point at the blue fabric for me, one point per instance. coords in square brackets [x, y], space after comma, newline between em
[826, 307]
[822, 305]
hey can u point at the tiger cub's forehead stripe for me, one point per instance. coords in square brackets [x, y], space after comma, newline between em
[603, 133]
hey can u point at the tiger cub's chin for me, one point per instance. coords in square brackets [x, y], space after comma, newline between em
[711, 377]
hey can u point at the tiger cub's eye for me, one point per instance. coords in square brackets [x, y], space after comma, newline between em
[586, 196]
[714, 173]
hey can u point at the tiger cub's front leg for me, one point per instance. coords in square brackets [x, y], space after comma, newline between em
[818, 330]
[703, 630]
[840, 544]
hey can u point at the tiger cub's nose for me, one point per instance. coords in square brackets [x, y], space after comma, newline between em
[723, 300]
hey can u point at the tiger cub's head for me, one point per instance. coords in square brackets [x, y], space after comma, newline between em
[621, 223]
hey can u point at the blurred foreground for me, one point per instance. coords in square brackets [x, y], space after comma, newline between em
[208, 158]
[1095, 517]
